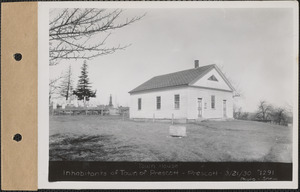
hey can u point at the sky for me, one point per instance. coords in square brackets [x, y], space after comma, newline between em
[252, 46]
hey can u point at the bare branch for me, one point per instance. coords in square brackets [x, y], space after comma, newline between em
[71, 33]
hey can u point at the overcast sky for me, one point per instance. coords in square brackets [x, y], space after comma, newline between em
[254, 47]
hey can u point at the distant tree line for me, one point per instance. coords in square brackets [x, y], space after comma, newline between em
[239, 114]
[266, 112]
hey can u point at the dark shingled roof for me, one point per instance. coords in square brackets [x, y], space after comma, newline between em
[174, 79]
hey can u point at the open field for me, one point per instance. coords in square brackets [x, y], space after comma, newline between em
[96, 138]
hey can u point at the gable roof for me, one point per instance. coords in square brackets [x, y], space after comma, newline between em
[185, 77]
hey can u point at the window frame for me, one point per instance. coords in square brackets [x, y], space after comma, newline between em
[158, 102]
[213, 78]
[139, 104]
[213, 102]
[177, 103]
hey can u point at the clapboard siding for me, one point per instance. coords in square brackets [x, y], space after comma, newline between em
[167, 104]
[188, 103]
[194, 93]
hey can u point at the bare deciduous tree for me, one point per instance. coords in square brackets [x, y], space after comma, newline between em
[264, 111]
[279, 116]
[238, 92]
[239, 114]
[71, 32]
[66, 88]
[53, 87]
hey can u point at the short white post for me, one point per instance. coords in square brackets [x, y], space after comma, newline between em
[172, 118]
[153, 117]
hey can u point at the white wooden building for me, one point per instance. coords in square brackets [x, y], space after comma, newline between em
[198, 93]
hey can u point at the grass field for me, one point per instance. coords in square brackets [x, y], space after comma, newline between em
[96, 138]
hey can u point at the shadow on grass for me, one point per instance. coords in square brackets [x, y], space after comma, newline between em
[85, 148]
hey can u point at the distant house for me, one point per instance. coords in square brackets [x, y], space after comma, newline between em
[197, 93]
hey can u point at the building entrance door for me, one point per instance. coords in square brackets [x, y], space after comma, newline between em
[199, 107]
[224, 109]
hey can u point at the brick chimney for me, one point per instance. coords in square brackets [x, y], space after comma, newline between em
[196, 63]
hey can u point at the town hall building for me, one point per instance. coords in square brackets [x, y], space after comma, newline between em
[194, 94]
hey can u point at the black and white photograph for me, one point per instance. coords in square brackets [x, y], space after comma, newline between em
[162, 92]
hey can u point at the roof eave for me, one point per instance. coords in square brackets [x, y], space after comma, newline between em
[224, 78]
[160, 88]
[202, 74]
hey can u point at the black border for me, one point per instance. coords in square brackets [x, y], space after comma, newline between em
[169, 171]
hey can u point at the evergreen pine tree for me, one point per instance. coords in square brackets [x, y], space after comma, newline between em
[83, 90]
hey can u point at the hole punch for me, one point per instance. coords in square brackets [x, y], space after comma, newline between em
[18, 56]
[17, 137]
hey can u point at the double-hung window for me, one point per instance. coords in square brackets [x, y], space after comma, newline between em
[177, 101]
[158, 102]
[139, 103]
[213, 102]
